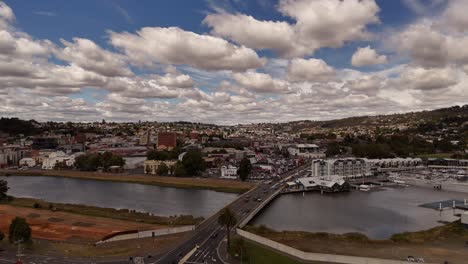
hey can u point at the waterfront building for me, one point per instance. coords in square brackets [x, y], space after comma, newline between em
[27, 162]
[330, 183]
[395, 162]
[447, 163]
[151, 166]
[59, 156]
[229, 172]
[346, 168]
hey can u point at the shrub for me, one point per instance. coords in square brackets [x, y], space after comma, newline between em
[19, 231]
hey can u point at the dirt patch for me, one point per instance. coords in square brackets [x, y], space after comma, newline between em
[55, 220]
[83, 224]
[33, 215]
[61, 226]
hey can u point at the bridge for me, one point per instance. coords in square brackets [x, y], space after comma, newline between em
[202, 246]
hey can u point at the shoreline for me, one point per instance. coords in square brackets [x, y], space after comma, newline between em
[219, 185]
[95, 211]
[435, 245]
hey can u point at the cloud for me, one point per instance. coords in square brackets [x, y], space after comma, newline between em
[153, 45]
[260, 82]
[6, 14]
[454, 17]
[45, 13]
[367, 56]
[428, 79]
[311, 70]
[425, 46]
[369, 84]
[422, 7]
[320, 23]
[89, 56]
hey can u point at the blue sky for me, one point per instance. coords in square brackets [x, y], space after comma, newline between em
[230, 61]
[58, 19]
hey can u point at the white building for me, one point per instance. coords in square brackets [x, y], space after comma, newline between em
[346, 168]
[396, 162]
[133, 162]
[59, 156]
[27, 162]
[306, 151]
[151, 166]
[229, 172]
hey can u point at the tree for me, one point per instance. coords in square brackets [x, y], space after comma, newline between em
[228, 219]
[179, 169]
[244, 169]
[91, 162]
[19, 231]
[3, 189]
[157, 155]
[162, 169]
[333, 149]
[193, 162]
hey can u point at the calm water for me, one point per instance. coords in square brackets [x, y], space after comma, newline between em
[162, 201]
[377, 214]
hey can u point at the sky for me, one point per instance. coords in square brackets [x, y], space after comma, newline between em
[230, 61]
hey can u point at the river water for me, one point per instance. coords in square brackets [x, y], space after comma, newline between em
[163, 201]
[378, 214]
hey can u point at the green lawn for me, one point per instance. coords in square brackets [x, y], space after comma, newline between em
[258, 255]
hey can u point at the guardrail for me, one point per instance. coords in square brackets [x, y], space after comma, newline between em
[143, 234]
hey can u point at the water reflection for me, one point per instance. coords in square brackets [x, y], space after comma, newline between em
[162, 201]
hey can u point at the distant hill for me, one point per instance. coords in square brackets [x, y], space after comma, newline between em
[15, 126]
[455, 112]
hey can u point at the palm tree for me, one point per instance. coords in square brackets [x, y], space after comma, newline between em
[228, 219]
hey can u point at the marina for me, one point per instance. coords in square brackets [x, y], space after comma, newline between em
[378, 214]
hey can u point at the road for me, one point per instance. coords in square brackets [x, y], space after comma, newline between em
[204, 243]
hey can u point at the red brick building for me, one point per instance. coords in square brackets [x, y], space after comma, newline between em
[167, 140]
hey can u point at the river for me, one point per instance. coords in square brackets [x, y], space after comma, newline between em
[378, 214]
[163, 201]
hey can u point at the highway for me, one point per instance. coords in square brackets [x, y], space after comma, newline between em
[204, 243]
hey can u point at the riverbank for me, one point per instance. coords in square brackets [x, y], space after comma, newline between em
[93, 211]
[435, 245]
[219, 185]
[90, 253]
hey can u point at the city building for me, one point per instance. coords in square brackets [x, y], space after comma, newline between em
[151, 166]
[59, 156]
[346, 168]
[167, 140]
[229, 172]
[396, 162]
[306, 151]
[11, 155]
[330, 183]
[27, 162]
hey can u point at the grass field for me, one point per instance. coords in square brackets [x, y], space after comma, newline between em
[177, 182]
[122, 214]
[257, 254]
